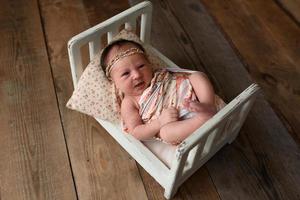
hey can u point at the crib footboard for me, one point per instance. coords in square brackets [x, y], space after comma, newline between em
[199, 147]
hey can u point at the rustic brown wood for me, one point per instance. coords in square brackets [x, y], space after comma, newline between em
[98, 11]
[268, 41]
[153, 189]
[292, 8]
[34, 162]
[257, 165]
[263, 163]
[197, 187]
[194, 188]
[200, 186]
[102, 169]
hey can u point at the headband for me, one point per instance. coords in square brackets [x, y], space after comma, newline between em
[121, 55]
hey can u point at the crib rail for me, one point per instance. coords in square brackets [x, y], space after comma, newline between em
[110, 28]
[231, 117]
[222, 128]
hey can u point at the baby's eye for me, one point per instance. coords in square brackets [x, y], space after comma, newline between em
[141, 66]
[125, 74]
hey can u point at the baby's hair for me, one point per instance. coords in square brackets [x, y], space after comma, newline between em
[118, 43]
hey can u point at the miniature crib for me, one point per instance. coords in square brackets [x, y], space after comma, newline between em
[194, 151]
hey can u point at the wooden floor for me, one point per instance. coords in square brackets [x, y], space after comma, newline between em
[50, 152]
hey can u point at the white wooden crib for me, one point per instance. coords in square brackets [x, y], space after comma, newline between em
[199, 147]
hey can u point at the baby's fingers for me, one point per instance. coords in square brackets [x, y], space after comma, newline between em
[173, 114]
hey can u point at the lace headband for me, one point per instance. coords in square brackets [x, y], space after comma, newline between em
[119, 56]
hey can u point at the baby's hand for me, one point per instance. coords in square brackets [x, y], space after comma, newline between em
[168, 115]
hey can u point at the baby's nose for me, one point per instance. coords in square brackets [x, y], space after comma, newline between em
[136, 74]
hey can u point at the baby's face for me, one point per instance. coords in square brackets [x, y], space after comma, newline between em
[131, 74]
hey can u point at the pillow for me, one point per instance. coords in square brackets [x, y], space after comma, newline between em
[95, 95]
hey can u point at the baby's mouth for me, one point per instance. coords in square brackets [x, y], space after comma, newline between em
[140, 84]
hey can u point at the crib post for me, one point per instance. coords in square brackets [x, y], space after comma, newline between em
[170, 192]
[176, 171]
[75, 62]
[146, 20]
[197, 152]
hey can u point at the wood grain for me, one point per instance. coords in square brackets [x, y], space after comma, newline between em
[292, 8]
[98, 11]
[34, 162]
[263, 162]
[268, 41]
[102, 169]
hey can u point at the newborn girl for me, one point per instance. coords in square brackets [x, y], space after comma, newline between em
[157, 103]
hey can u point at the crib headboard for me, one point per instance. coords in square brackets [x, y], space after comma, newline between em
[110, 27]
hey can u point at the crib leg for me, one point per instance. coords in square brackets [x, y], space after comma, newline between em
[170, 192]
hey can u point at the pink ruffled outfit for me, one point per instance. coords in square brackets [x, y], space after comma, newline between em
[166, 89]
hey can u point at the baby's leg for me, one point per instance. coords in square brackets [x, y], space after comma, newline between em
[175, 132]
[203, 88]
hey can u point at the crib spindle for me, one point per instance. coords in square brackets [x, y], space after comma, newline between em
[206, 143]
[145, 27]
[94, 47]
[111, 34]
[195, 154]
[176, 173]
[76, 64]
[211, 139]
[204, 146]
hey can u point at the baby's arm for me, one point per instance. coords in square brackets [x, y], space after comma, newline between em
[135, 125]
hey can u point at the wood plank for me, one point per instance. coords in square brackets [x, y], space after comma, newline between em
[292, 8]
[102, 169]
[97, 11]
[268, 41]
[196, 187]
[34, 161]
[263, 162]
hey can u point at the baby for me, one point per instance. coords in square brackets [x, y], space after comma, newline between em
[162, 104]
